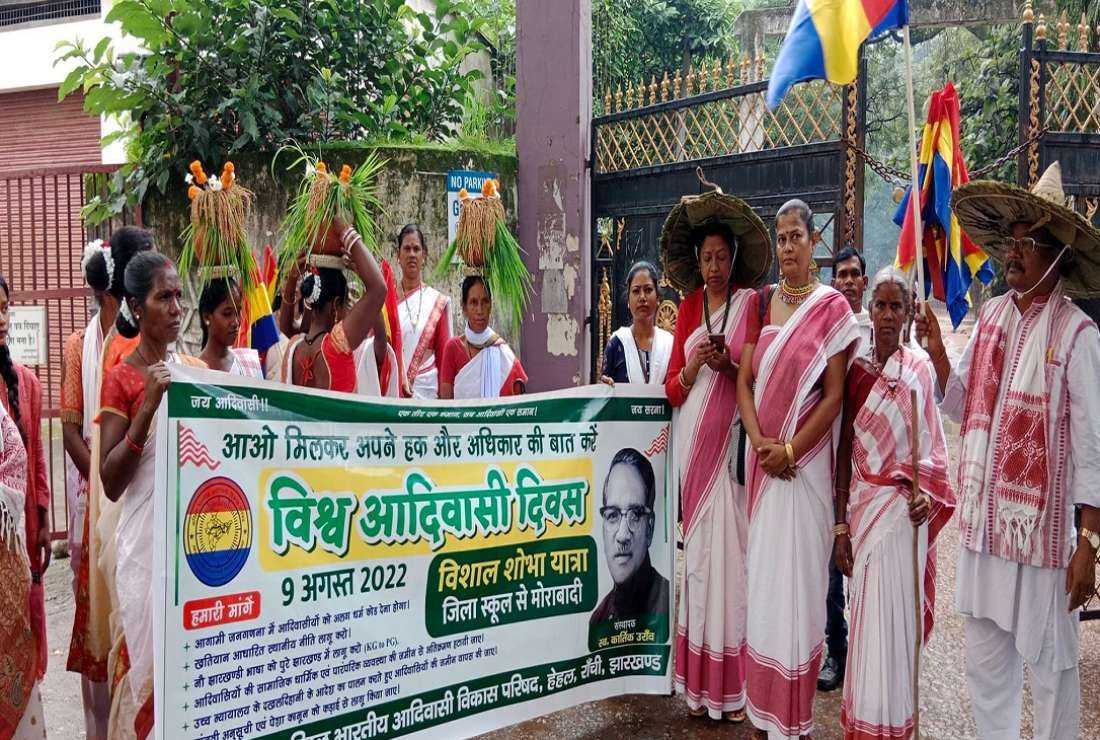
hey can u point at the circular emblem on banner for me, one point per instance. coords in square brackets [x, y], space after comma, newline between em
[217, 531]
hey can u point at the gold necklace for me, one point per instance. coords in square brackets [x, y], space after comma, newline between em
[793, 296]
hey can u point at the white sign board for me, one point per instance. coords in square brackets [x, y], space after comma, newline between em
[27, 334]
[457, 180]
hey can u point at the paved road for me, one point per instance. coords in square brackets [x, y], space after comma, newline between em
[945, 701]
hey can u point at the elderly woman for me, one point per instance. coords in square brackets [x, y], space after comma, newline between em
[132, 391]
[424, 314]
[718, 268]
[790, 388]
[479, 364]
[877, 514]
[640, 352]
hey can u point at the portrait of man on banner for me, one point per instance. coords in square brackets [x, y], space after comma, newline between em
[638, 602]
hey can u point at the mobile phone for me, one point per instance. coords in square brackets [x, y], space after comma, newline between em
[718, 341]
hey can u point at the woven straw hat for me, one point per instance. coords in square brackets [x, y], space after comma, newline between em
[987, 210]
[680, 239]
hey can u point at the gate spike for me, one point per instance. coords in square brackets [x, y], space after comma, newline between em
[760, 63]
[618, 98]
[716, 75]
[1029, 13]
[652, 89]
[731, 72]
[607, 100]
[1083, 34]
[630, 96]
[1041, 29]
[689, 80]
[1063, 29]
[664, 87]
[745, 65]
[676, 89]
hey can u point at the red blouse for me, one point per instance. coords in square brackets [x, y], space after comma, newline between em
[455, 357]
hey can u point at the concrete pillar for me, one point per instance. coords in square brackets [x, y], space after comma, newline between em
[553, 114]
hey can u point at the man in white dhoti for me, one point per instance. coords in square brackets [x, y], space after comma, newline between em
[1025, 393]
[425, 316]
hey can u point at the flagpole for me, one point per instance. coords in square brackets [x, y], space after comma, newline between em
[914, 191]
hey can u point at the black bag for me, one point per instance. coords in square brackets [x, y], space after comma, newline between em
[764, 299]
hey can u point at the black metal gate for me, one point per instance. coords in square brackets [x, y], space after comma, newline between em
[649, 140]
[1060, 96]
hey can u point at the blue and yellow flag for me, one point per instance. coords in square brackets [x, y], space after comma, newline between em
[824, 37]
[951, 260]
[258, 328]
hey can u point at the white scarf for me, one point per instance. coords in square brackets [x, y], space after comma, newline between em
[659, 355]
[489, 342]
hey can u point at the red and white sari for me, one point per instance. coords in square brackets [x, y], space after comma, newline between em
[710, 632]
[878, 689]
[492, 372]
[790, 522]
[425, 329]
[246, 363]
[20, 703]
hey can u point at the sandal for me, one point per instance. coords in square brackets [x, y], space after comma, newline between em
[698, 712]
[736, 717]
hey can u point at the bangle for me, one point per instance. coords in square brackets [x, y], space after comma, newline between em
[683, 383]
[134, 446]
[841, 529]
[790, 455]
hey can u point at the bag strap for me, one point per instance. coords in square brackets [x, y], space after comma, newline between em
[763, 300]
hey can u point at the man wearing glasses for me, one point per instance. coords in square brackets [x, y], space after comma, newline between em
[628, 521]
[1025, 393]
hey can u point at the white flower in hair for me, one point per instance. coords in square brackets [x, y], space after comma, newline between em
[215, 184]
[110, 262]
[189, 179]
[91, 249]
[315, 293]
[124, 309]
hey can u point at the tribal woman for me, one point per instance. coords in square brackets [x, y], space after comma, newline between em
[877, 515]
[132, 391]
[21, 397]
[326, 356]
[715, 249]
[20, 701]
[790, 389]
[91, 643]
[479, 364]
[220, 317]
[425, 316]
[640, 352]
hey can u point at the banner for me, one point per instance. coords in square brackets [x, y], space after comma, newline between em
[332, 567]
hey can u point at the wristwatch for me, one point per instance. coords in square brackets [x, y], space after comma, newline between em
[1090, 537]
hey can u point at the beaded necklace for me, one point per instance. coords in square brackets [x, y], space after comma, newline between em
[793, 296]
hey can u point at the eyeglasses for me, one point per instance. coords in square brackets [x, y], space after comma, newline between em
[613, 515]
[1027, 245]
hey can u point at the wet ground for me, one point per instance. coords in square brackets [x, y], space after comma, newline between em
[945, 700]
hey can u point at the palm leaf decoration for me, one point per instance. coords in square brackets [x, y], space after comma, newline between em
[215, 241]
[483, 241]
[352, 195]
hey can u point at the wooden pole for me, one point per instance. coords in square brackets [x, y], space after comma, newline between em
[914, 443]
[914, 171]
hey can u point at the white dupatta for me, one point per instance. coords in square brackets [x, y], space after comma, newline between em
[484, 375]
[659, 355]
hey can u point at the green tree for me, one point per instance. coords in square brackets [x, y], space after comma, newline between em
[215, 77]
[638, 40]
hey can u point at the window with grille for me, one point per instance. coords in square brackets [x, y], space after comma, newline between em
[16, 14]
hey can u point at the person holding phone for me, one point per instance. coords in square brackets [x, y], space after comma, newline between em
[715, 249]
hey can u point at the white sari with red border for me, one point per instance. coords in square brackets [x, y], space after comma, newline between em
[490, 371]
[790, 522]
[878, 686]
[418, 329]
[710, 631]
